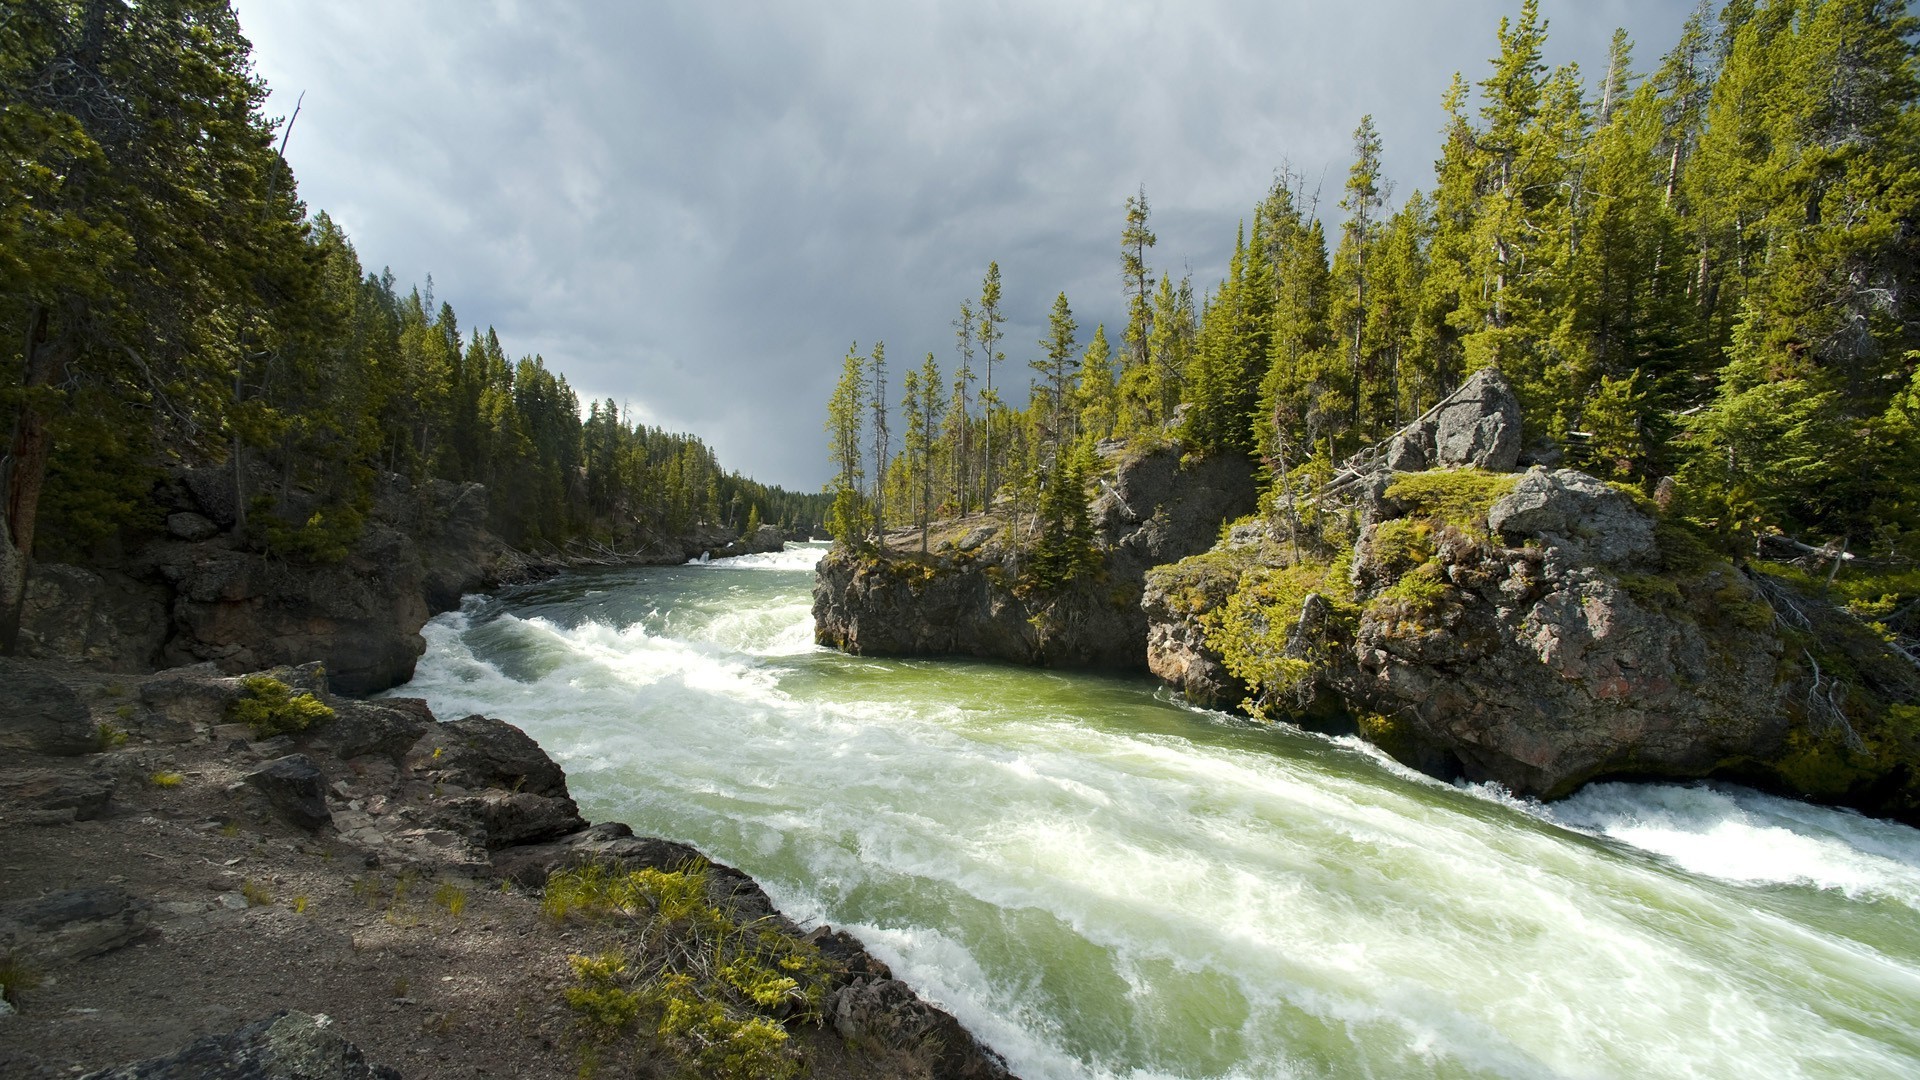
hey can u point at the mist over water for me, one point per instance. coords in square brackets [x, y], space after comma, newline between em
[1103, 882]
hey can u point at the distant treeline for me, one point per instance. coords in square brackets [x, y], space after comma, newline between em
[166, 297]
[1705, 272]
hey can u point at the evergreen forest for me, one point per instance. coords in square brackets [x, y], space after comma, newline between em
[166, 300]
[1700, 267]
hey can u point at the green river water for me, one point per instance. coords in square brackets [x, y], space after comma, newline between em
[1103, 882]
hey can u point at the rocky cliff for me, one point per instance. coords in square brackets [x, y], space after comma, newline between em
[967, 596]
[1540, 630]
[201, 592]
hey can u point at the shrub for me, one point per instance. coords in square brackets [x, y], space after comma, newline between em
[165, 779]
[1457, 496]
[1254, 634]
[108, 737]
[16, 978]
[451, 897]
[717, 990]
[271, 707]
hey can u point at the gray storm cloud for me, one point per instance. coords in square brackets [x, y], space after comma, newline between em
[694, 209]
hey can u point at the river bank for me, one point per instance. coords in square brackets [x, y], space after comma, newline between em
[172, 874]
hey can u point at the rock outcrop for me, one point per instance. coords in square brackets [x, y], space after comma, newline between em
[1538, 630]
[355, 810]
[967, 597]
[285, 1046]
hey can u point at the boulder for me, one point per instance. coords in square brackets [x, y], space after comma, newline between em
[65, 796]
[609, 843]
[360, 728]
[885, 1014]
[1152, 508]
[480, 752]
[105, 619]
[41, 714]
[1581, 517]
[497, 819]
[296, 788]
[1479, 424]
[285, 1046]
[191, 527]
[73, 924]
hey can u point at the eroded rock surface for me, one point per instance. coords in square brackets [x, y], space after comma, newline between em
[966, 600]
[285, 1046]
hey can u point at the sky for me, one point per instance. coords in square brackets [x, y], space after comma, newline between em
[694, 209]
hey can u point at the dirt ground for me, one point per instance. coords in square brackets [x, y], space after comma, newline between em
[437, 968]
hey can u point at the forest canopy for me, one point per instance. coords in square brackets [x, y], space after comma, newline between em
[1699, 267]
[166, 299]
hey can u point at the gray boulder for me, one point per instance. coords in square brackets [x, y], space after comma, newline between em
[55, 797]
[1577, 514]
[191, 527]
[360, 728]
[103, 619]
[497, 819]
[72, 925]
[41, 714]
[1479, 425]
[285, 1046]
[296, 788]
[481, 752]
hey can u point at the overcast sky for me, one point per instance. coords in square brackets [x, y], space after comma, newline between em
[694, 208]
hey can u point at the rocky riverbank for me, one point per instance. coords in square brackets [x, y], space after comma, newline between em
[200, 592]
[1541, 630]
[175, 872]
[967, 596]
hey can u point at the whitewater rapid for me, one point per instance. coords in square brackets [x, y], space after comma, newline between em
[1103, 882]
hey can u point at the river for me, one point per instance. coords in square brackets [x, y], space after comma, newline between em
[1101, 881]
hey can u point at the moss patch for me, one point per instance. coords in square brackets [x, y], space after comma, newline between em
[1458, 497]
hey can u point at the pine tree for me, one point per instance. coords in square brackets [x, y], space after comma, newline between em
[1057, 366]
[1135, 239]
[1097, 399]
[877, 427]
[989, 336]
[851, 519]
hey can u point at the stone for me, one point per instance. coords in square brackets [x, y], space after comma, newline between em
[1479, 425]
[1154, 507]
[367, 728]
[480, 751]
[497, 819]
[82, 797]
[885, 1014]
[296, 788]
[285, 1046]
[191, 527]
[41, 714]
[104, 619]
[1578, 514]
[73, 924]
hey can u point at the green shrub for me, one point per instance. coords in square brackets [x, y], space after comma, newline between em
[271, 707]
[16, 978]
[165, 779]
[717, 990]
[1456, 496]
[1252, 630]
[108, 737]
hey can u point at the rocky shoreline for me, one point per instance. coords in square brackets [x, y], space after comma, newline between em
[1539, 629]
[173, 875]
[201, 592]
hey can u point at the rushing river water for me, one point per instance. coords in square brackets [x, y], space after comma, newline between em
[1102, 882]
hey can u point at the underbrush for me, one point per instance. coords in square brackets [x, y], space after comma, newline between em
[718, 993]
[271, 707]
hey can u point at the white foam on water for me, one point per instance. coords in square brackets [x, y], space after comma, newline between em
[1745, 836]
[1099, 900]
[795, 557]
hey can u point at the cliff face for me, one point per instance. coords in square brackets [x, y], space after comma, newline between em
[1542, 631]
[200, 594]
[966, 597]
